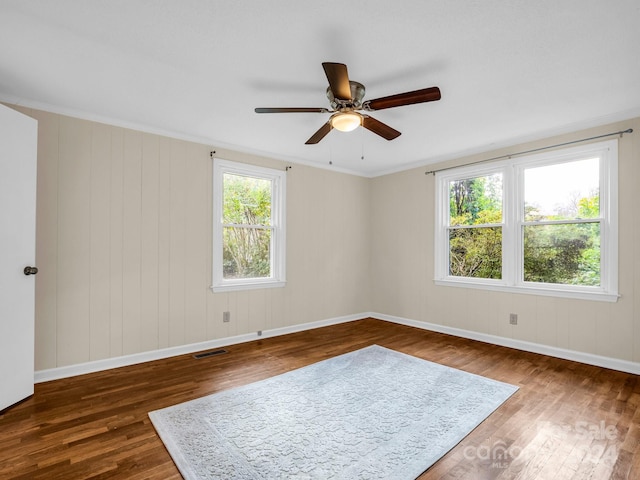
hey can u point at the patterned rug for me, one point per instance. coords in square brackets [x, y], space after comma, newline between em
[370, 414]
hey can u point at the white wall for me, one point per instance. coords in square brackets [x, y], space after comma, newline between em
[403, 250]
[124, 233]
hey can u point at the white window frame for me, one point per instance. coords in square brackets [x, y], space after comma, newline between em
[278, 226]
[512, 223]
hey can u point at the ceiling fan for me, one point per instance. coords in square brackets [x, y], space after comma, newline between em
[345, 97]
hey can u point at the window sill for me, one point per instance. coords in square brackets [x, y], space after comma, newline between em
[596, 295]
[232, 287]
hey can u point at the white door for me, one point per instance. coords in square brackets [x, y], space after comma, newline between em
[18, 147]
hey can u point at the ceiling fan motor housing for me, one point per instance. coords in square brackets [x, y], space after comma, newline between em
[357, 94]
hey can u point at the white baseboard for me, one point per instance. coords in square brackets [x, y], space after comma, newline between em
[588, 358]
[109, 363]
[123, 361]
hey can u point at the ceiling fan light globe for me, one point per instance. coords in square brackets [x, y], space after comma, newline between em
[346, 122]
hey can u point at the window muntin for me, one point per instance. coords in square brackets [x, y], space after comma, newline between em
[558, 234]
[248, 227]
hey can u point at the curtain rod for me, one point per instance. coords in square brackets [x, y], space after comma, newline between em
[621, 132]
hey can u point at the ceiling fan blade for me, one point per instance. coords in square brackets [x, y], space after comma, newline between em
[377, 127]
[430, 94]
[338, 80]
[320, 134]
[291, 110]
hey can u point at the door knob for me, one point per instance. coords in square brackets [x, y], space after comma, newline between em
[30, 270]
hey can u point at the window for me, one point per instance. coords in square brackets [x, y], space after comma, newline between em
[544, 224]
[248, 227]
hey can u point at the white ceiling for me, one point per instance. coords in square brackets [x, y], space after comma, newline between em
[509, 70]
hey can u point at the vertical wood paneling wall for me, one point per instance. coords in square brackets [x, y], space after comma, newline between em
[124, 235]
[403, 271]
[123, 248]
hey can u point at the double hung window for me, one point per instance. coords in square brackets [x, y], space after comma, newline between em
[248, 226]
[544, 224]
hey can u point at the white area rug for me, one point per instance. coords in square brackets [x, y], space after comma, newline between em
[370, 414]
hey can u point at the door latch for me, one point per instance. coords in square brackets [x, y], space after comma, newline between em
[30, 270]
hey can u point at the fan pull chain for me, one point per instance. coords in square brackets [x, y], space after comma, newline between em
[331, 150]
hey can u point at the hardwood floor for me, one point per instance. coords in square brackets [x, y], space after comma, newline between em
[567, 421]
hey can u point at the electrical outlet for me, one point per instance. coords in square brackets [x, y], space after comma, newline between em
[513, 318]
[226, 316]
[259, 333]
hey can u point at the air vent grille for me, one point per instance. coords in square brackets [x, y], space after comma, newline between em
[209, 354]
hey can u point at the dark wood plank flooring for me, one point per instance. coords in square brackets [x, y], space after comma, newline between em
[567, 421]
